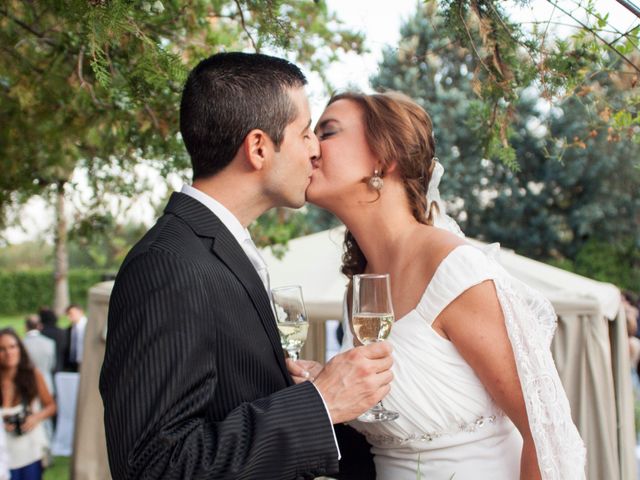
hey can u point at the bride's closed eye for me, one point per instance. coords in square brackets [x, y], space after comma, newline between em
[327, 128]
[326, 134]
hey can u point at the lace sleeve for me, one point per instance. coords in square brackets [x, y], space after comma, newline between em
[531, 321]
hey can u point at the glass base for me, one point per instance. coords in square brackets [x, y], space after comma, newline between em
[378, 414]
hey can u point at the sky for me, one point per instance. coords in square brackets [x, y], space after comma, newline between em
[380, 20]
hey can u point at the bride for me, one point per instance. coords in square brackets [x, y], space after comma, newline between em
[474, 381]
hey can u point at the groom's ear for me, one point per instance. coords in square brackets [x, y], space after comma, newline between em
[257, 148]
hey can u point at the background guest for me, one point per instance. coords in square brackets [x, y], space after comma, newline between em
[50, 329]
[631, 313]
[75, 338]
[25, 402]
[41, 349]
[4, 454]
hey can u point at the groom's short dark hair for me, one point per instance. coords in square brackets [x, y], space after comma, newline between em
[229, 94]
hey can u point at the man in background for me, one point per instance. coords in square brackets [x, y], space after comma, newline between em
[50, 329]
[75, 338]
[41, 349]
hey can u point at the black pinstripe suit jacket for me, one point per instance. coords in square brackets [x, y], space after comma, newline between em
[194, 382]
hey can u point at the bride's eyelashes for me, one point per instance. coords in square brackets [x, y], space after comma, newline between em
[325, 135]
[327, 128]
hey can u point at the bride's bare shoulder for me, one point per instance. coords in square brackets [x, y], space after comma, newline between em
[436, 244]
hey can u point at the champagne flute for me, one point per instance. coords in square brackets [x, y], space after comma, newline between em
[291, 318]
[371, 320]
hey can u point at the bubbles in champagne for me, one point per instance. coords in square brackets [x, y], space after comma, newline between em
[293, 334]
[372, 327]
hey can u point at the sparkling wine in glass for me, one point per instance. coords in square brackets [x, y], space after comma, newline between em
[371, 320]
[291, 318]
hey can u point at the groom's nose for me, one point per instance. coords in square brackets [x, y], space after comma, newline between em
[315, 148]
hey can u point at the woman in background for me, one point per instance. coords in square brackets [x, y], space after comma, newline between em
[25, 402]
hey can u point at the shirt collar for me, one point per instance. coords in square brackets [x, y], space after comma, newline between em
[228, 219]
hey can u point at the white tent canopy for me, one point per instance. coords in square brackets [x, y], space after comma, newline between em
[314, 263]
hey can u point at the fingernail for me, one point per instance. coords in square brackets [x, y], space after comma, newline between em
[305, 374]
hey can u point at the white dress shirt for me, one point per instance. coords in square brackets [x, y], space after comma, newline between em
[77, 340]
[243, 237]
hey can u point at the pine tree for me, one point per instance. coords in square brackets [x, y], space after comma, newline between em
[575, 182]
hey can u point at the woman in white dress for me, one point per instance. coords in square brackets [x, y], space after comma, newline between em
[474, 382]
[25, 402]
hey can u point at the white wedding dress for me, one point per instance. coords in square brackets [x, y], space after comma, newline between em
[449, 427]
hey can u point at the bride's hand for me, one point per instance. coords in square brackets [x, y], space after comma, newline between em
[303, 370]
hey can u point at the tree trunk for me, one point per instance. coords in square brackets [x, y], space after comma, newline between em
[61, 269]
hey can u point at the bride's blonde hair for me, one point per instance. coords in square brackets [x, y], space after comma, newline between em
[398, 130]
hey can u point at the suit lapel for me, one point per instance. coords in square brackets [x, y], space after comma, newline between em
[226, 248]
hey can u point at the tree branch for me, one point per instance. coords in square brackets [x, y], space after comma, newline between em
[154, 119]
[506, 29]
[595, 34]
[623, 35]
[244, 26]
[632, 8]
[473, 46]
[571, 25]
[29, 29]
[83, 83]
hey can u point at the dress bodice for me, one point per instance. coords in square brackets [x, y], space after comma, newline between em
[435, 390]
[449, 424]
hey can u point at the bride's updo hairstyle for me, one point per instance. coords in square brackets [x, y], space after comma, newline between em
[398, 130]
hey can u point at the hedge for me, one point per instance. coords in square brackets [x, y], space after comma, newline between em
[25, 291]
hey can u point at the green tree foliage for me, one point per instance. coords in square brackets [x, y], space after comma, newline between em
[101, 243]
[26, 291]
[97, 243]
[575, 184]
[96, 84]
[35, 254]
[509, 57]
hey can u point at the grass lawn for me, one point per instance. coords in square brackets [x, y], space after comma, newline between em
[14, 321]
[59, 470]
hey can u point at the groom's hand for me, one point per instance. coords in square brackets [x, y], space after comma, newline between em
[356, 380]
[303, 370]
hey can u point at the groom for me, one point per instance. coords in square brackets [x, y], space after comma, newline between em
[194, 381]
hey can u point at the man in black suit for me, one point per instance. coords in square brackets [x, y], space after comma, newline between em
[50, 329]
[194, 380]
[74, 338]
